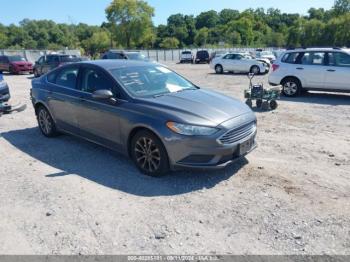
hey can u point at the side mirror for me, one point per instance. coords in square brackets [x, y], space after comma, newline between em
[102, 94]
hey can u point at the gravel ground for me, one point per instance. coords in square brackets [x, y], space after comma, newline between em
[290, 196]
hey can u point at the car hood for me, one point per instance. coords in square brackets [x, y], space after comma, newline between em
[198, 107]
[21, 63]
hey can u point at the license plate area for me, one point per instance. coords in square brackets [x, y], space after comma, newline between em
[246, 146]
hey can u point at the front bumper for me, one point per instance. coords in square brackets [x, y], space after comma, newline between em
[225, 160]
[209, 152]
[23, 69]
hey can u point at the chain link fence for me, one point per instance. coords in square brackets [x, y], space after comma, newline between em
[156, 55]
[34, 55]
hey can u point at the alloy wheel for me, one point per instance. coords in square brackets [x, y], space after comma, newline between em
[45, 122]
[147, 154]
[255, 70]
[290, 88]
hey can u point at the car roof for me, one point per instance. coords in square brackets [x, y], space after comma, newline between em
[109, 64]
[320, 49]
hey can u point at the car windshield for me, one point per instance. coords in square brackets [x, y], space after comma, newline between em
[266, 53]
[16, 58]
[186, 53]
[69, 58]
[148, 81]
[136, 56]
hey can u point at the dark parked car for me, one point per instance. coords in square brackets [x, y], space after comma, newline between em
[47, 63]
[15, 64]
[4, 90]
[120, 54]
[146, 111]
[202, 56]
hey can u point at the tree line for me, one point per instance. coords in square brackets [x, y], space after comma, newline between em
[129, 25]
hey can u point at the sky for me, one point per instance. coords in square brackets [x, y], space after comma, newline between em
[92, 11]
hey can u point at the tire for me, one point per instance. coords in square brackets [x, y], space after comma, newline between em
[36, 74]
[12, 71]
[265, 105]
[219, 69]
[273, 104]
[259, 103]
[149, 154]
[255, 70]
[291, 87]
[46, 124]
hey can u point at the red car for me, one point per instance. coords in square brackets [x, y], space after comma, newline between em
[15, 65]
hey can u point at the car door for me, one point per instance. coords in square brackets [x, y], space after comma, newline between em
[237, 64]
[227, 63]
[311, 69]
[99, 120]
[39, 65]
[49, 64]
[64, 99]
[2, 64]
[338, 71]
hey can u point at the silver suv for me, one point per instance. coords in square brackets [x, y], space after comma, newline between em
[321, 69]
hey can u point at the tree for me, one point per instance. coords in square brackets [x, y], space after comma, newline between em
[207, 19]
[201, 37]
[132, 18]
[244, 26]
[341, 7]
[227, 15]
[170, 43]
[97, 43]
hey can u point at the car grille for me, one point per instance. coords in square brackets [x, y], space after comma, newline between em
[238, 134]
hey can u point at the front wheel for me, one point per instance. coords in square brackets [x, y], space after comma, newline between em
[46, 124]
[255, 70]
[149, 154]
[36, 74]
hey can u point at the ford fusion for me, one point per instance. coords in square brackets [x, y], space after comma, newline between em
[145, 111]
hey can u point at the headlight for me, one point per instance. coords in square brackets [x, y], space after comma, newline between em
[190, 130]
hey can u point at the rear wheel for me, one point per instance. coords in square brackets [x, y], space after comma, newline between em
[46, 124]
[291, 87]
[273, 104]
[149, 154]
[219, 69]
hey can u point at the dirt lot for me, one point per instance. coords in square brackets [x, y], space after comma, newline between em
[290, 196]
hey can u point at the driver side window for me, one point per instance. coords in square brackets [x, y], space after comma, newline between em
[93, 80]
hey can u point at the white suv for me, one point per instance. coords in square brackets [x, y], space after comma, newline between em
[321, 69]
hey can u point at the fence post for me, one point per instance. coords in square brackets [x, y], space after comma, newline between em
[164, 55]
[172, 55]
[157, 55]
[148, 53]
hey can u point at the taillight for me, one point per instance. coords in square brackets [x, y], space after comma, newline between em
[275, 67]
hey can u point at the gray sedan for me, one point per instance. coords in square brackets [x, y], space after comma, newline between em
[146, 111]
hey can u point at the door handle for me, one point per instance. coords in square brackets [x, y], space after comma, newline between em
[331, 70]
[300, 68]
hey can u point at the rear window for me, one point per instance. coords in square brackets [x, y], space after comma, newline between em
[186, 53]
[290, 58]
[66, 59]
[202, 54]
